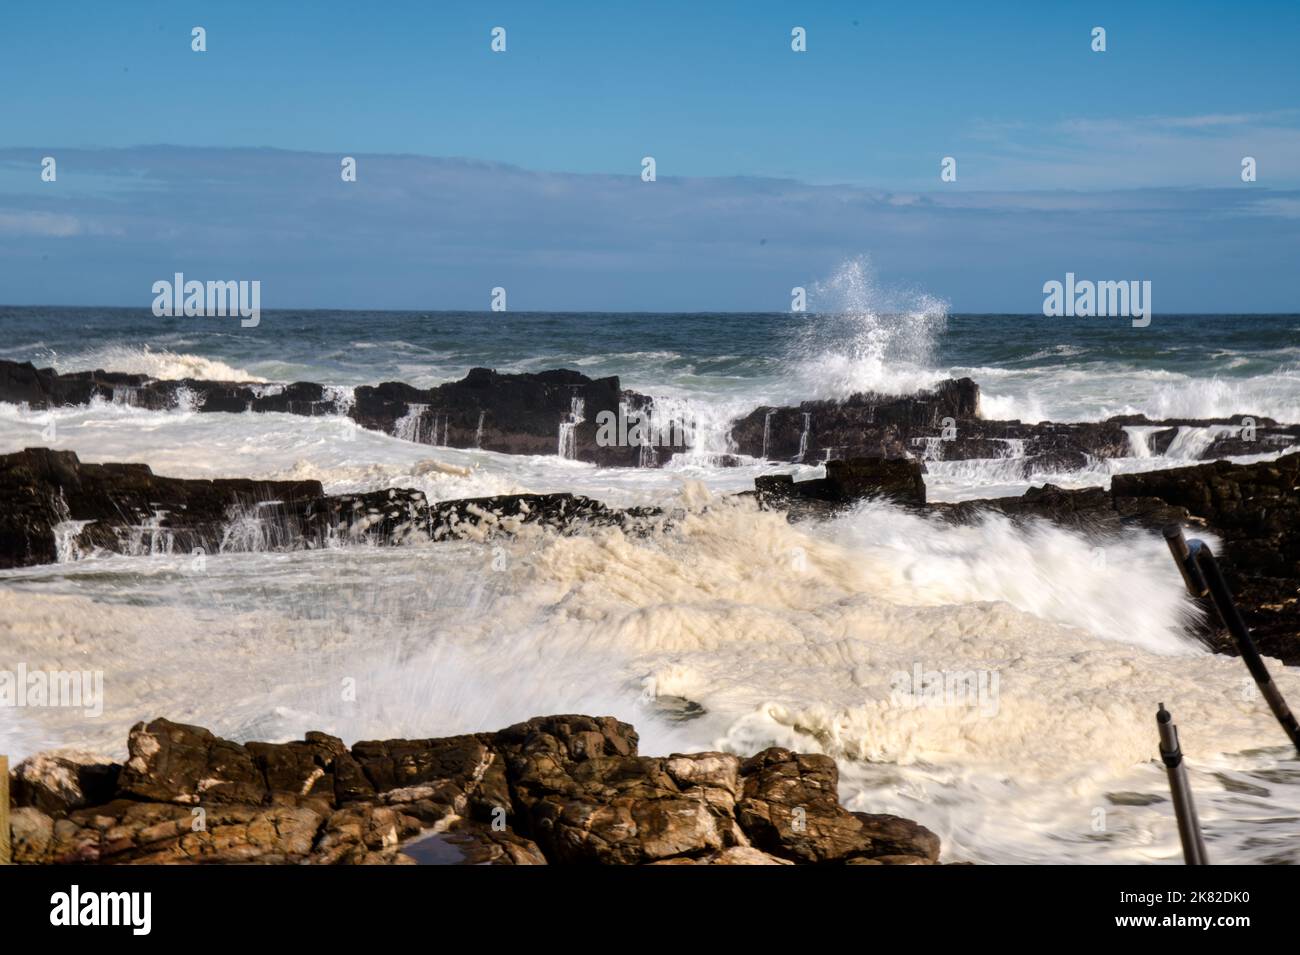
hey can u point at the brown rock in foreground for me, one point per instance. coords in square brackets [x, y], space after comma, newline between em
[553, 790]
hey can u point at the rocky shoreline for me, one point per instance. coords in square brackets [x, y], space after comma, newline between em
[560, 789]
[53, 507]
[558, 412]
[566, 790]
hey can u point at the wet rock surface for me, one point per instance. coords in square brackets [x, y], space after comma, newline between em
[509, 413]
[847, 482]
[53, 506]
[789, 807]
[558, 412]
[944, 424]
[863, 425]
[1255, 511]
[553, 790]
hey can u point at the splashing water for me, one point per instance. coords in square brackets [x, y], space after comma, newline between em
[567, 445]
[407, 427]
[864, 337]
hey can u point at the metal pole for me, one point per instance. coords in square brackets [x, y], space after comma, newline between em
[1189, 829]
[1203, 577]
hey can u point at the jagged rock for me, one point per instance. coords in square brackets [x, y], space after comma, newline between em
[524, 414]
[512, 414]
[31, 836]
[558, 789]
[938, 425]
[437, 778]
[50, 500]
[846, 482]
[1239, 434]
[863, 425]
[943, 424]
[173, 762]
[127, 831]
[790, 808]
[585, 796]
[59, 782]
[1255, 510]
[365, 835]
[125, 507]
[899, 838]
[1089, 509]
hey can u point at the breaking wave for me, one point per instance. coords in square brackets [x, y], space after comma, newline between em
[143, 360]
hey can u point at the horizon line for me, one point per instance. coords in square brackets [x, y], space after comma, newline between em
[952, 313]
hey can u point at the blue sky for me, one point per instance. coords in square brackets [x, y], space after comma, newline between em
[522, 169]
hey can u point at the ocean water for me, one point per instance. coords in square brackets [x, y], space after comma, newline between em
[783, 634]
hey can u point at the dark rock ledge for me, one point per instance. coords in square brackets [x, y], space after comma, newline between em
[553, 790]
[512, 414]
[51, 502]
[944, 424]
[524, 414]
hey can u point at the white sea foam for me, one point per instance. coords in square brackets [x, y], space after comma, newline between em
[1100, 390]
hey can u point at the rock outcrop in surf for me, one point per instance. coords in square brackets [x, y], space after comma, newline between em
[553, 790]
[944, 424]
[561, 412]
[54, 507]
[511, 414]
[899, 480]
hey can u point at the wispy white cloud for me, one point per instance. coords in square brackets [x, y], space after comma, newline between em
[419, 231]
[1131, 152]
[44, 224]
[1210, 120]
[1282, 207]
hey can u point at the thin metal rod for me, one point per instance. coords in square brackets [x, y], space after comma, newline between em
[1203, 577]
[1189, 828]
[1182, 557]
